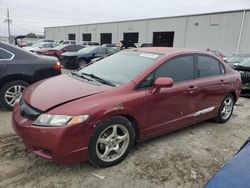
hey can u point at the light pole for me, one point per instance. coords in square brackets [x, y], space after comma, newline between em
[8, 21]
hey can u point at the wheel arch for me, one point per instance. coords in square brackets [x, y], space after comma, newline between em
[126, 115]
[233, 93]
[15, 77]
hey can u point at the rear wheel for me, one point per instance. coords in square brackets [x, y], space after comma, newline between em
[111, 142]
[11, 92]
[226, 109]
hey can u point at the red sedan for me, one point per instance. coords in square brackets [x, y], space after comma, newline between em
[99, 112]
[58, 50]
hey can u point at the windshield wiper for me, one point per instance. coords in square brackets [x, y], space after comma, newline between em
[103, 81]
[81, 76]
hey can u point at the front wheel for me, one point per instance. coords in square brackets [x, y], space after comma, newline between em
[226, 109]
[111, 142]
[11, 92]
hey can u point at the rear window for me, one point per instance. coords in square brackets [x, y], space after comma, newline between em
[4, 54]
[208, 66]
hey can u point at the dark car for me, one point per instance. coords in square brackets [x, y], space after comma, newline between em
[18, 69]
[109, 45]
[98, 112]
[146, 45]
[58, 50]
[244, 69]
[236, 59]
[84, 56]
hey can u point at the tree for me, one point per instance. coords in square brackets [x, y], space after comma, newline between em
[31, 35]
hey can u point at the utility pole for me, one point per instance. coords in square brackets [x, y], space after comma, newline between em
[8, 21]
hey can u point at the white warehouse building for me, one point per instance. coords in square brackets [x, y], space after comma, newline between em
[227, 32]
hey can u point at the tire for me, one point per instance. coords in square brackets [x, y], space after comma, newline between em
[226, 109]
[107, 148]
[10, 92]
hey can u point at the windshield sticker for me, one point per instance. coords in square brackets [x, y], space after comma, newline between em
[152, 56]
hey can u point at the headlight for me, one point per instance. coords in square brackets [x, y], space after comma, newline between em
[59, 120]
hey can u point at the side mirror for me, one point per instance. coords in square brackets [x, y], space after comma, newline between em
[162, 82]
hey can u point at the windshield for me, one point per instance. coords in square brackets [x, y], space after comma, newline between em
[122, 67]
[236, 59]
[87, 50]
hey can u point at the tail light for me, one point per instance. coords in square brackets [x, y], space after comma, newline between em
[49, 52]
[57, 66]
[59, 52]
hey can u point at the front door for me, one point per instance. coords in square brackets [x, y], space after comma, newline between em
[172, 107]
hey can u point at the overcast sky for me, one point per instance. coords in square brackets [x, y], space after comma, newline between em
[33, 15]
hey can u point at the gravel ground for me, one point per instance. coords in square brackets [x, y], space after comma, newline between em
[185, 158]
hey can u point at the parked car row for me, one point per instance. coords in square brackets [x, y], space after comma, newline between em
[84, 56]
[58, 50]
[73, 55]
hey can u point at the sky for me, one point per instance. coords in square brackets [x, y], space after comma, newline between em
[33, 15]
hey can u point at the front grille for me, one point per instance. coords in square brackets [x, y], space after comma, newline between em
[245, 76]
[64, 60]
[28, 111]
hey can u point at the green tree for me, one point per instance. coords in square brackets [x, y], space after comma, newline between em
[31, 35]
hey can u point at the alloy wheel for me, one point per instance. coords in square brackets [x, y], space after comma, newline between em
[112, 143]
[13, 94]
[227, 108]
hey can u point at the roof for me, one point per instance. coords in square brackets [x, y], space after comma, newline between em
[165, 50]
[145, 19]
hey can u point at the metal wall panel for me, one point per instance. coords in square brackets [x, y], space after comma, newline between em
[245, 37]
[174, 24]
[131, 27]
[107, 28]
[218, 32]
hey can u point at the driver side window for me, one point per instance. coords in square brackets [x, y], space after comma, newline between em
[180, 69]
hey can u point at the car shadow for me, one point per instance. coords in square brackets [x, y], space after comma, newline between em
[3, 109]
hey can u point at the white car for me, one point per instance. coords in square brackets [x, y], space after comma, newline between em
[41, 45]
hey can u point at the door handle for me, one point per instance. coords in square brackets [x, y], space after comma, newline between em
[191, 88]
[221, 82]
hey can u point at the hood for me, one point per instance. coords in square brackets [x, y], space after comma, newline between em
[243, 68]
[52, 92]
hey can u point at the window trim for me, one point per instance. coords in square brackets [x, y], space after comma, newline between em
[172, 58]
[12, 57]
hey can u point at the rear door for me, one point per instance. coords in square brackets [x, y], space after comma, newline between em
[5, 56]
[211, 83]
